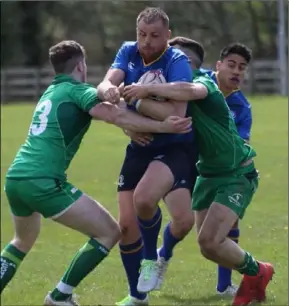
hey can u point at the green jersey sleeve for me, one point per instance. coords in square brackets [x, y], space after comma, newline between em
[85, 96]
[206, 81]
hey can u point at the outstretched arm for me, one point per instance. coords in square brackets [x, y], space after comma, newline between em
[156, 109]
[129, 120]
[177, 91]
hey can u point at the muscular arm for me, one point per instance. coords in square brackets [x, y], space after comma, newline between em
[116, 74]
[178, 91]
[161, 110]
[125, 119]
[113, 77]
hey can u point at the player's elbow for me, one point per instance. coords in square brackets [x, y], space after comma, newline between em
[191, 91]
[187, 90]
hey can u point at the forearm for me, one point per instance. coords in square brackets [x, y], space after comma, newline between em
[156, 110]
[102, 88]
[122, 104]
[131, 121]
[181, 91]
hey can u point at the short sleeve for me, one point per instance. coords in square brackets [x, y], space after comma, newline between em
[180, 71]
[121, 59]
[85, 96]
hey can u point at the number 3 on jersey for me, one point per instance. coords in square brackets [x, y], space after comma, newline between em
[44, 108]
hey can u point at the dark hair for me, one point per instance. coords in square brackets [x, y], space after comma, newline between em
[65, 55]
[237, 48]
[191, 45]
[153, 14]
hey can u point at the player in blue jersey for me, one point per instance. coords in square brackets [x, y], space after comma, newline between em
[154, 172]
[230, 72]
[229, 75]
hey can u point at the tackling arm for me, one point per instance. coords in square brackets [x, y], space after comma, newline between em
[160, 110]
[126, 119]
[179, 71]
[178, 91]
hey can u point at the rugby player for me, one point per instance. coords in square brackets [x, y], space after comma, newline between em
[159, 170]
[229, 74]
[36, 183]
[228, 179]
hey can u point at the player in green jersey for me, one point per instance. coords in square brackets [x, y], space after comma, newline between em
[36, 183]
[228, 178]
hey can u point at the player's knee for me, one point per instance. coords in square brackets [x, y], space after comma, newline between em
[128, 224]
[110, 236]
[144, 200]
[115, 233]
[183, 224]
[208, 245]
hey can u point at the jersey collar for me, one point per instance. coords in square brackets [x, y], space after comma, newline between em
[60, 78]
[150, 63]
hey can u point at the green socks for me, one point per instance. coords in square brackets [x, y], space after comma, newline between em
[85, 260]
[250, 266]
[11, 258]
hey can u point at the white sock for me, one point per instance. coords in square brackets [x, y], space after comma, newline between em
[64, 288]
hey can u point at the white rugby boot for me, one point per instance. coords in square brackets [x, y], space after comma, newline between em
[149, 274]
[163, 266]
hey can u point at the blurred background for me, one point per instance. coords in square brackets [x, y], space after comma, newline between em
[29, 28]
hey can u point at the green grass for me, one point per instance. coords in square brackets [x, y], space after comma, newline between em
[191, 279]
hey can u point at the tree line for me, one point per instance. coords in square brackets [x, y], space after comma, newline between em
[29, 28]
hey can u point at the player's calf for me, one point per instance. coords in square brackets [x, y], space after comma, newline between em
[91, 219]
[130, 245]
[224, 284]
[26, 233]
[155, 183]
[217, 247]
[178, 202]
[212, 237]
[182, 220]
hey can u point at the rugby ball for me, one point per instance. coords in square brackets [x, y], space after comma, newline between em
[153, 77]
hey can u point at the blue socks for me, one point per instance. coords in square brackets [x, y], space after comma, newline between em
[132, 255]
[224, 274]
[169, 242]
[150, 230]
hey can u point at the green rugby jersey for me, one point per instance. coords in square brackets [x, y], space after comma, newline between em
[59, 122]
[221, 149]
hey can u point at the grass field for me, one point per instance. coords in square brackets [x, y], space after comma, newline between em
[191, 279]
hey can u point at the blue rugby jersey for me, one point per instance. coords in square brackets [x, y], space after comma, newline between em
[174, 66]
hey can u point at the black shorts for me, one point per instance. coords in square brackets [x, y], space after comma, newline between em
[180, 158]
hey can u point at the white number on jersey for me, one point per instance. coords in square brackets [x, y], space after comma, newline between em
[44, 108]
